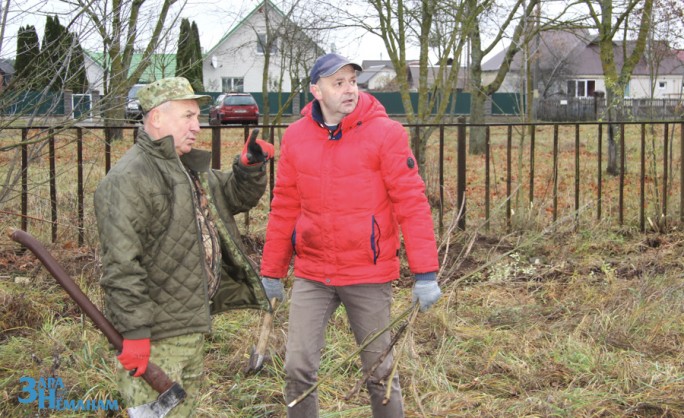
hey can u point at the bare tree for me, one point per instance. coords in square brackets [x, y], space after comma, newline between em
[610, 18]
[124, 28]
[486, 12]
[436, 28]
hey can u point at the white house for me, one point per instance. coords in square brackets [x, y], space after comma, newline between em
[236, 62]
[94, 71]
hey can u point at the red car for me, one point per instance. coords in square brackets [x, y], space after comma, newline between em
[238, 108]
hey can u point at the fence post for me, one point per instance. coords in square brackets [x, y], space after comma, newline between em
[79, 179]
[24, 179]
[509, 146]
[487, 176]
[108, 148]
[663, 217]
[461, 173]
[53, 183]
[68, 104]
[681, 172]
[441, 180]
[95, 103]
[271, 168]
[642, 180]
[577, 175]
[216, 148]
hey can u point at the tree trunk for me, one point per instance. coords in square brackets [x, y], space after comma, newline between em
[477, 116]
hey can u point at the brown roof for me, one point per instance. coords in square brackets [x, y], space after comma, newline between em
[554, 45]
[582, 53]
[588, 61]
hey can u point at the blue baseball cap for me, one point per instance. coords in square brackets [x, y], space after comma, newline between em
[329, 64]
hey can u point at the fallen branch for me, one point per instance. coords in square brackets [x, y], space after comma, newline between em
[407, 325]
[351, 356]
[367, 374]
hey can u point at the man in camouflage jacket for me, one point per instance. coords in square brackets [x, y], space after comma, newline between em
[171, 249]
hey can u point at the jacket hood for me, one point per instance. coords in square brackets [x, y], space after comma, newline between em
[367, 108]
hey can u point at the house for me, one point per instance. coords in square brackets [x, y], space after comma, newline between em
[6, 73]
[413, 69]
[568, 64]
[236, 62]
[376, 74]
[161, 66]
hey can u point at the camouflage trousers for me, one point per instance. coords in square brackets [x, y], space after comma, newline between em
[182, 358]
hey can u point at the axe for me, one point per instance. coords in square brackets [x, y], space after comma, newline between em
[258, 353]
[170, 393]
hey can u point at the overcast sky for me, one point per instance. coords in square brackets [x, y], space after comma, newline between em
[213, 17]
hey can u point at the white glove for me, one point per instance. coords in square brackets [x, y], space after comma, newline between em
[426, 292]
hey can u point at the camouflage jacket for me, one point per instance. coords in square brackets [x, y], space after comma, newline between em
[153, 278]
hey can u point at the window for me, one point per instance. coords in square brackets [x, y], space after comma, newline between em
[581, 88]
[236, 84]
[662, 85]
[262, 41]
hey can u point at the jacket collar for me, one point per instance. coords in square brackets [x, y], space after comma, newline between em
[367, 108]
[164, 148]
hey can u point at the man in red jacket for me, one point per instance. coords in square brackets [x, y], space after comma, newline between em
[346, 182]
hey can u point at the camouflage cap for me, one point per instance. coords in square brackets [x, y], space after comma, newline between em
[173, 88]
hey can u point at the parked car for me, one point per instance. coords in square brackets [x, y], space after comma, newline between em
[134, 111]
[234, 108]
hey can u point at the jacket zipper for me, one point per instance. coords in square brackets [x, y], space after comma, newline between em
[199, 241]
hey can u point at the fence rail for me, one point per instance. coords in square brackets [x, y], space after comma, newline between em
[594, 108]
[559, 172]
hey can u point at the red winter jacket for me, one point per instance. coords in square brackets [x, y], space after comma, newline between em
[340, 198]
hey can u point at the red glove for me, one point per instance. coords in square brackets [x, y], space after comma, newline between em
[256, 150]
[135, 355]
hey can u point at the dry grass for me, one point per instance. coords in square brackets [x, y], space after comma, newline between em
[545, 321]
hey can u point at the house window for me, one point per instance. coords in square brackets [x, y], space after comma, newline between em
[262, 41]
[233, 84]
[581, 88]
[662, 85]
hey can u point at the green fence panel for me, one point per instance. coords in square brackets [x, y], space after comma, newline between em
[32, 103]
[82, 105]
[507, 103]
[274, 102]
[391, 101]
[394, 106]
[460, 107]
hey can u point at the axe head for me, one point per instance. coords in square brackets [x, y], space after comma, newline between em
[162, 406]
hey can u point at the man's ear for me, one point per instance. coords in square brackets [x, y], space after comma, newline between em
[315, 90]
[153, 117]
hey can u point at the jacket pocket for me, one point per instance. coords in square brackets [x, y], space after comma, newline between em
[375, 239]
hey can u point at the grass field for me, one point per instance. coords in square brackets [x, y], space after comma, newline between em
[544, 321]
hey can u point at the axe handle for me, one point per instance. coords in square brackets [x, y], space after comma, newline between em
[154, 375]
[265, 331]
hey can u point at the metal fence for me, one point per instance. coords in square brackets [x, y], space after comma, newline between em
[529, 174]
[592, 109]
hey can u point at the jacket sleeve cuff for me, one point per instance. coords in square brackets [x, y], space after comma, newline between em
[426, 276]
[137, 334]
[250, 168]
